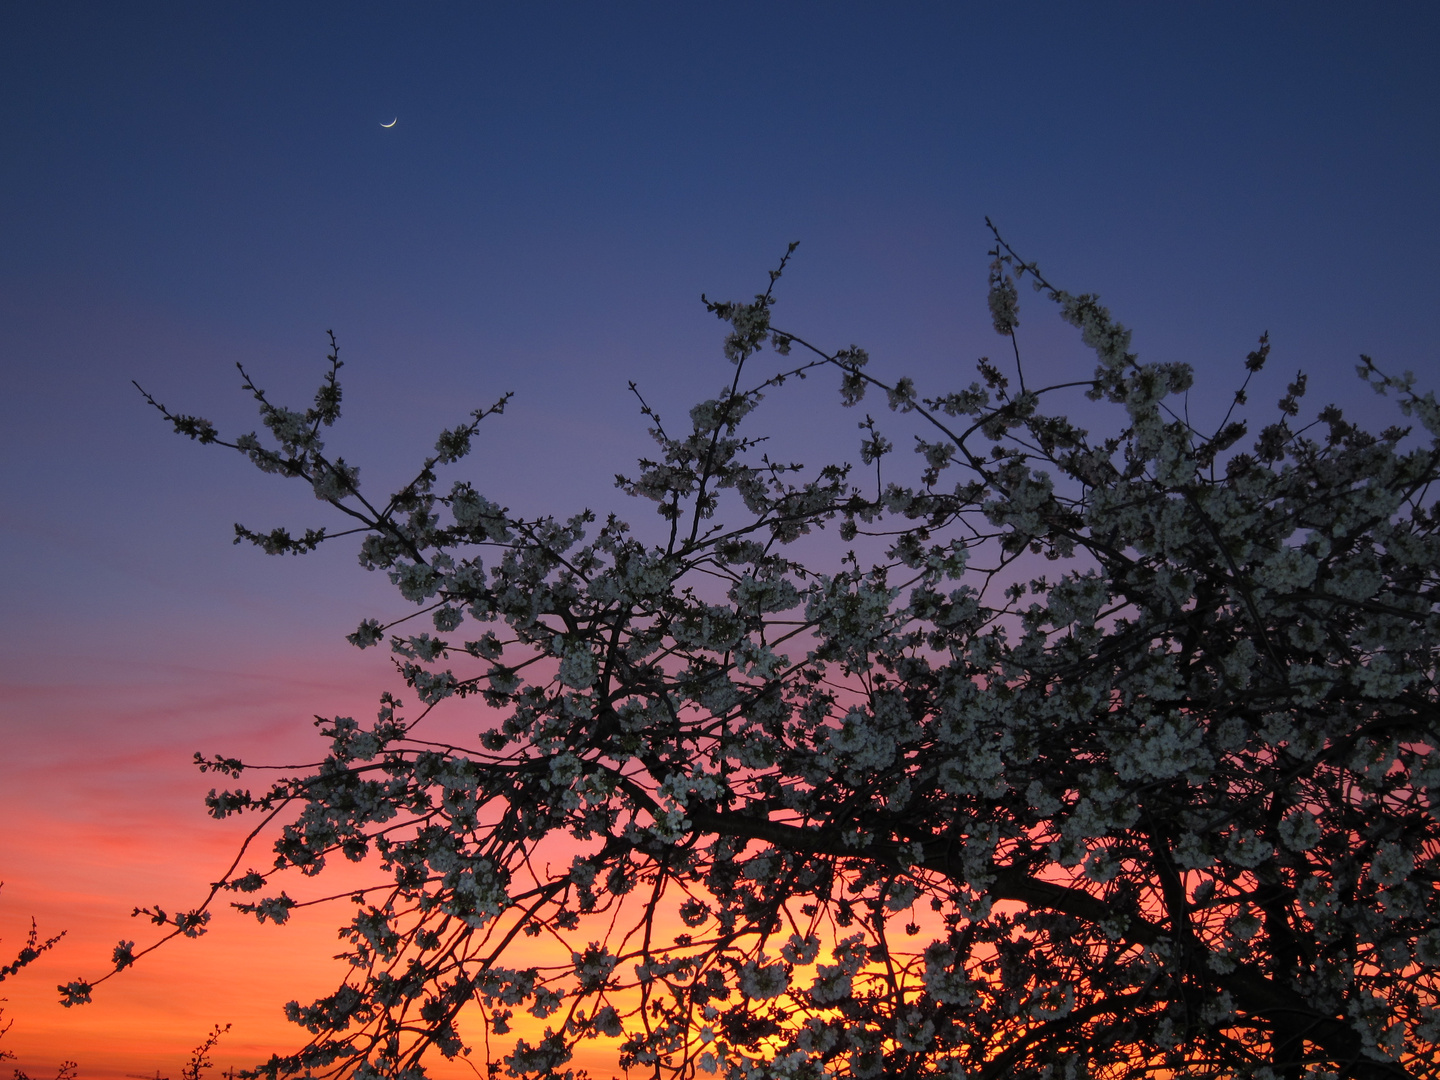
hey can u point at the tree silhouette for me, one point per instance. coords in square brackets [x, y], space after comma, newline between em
[1080, 755]
[31, 951]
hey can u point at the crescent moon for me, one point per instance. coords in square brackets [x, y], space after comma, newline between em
[392, 123]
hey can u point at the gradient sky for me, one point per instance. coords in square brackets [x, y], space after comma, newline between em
[184, 186]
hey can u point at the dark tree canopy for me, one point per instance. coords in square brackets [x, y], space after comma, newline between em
[1084, 755]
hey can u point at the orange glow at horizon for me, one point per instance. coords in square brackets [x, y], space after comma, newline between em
[128, 828]
[110, 817]
[105, 813]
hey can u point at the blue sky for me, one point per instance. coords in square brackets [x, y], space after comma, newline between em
[184, 186]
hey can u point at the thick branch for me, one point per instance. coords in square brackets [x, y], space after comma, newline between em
[1290, 1014]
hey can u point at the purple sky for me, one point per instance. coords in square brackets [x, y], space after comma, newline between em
[182, 187]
